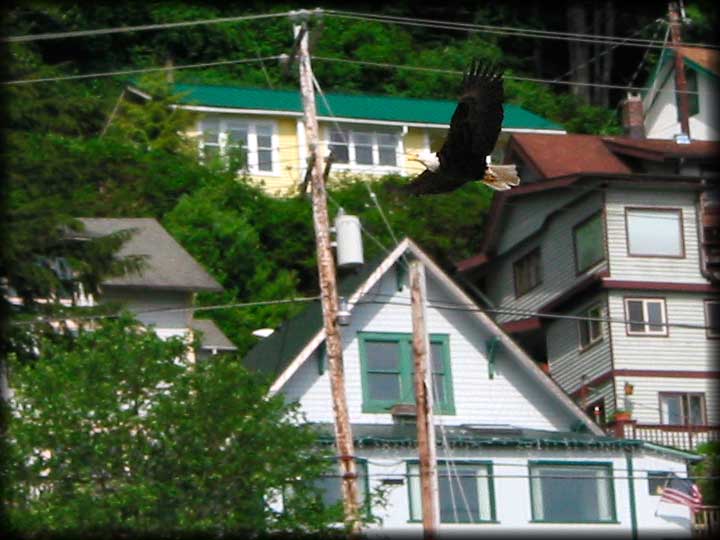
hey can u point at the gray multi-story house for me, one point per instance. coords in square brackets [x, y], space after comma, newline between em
[604, 265]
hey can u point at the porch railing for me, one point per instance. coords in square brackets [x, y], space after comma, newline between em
[682, 437]
[706, 522]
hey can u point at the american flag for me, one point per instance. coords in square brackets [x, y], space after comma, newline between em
[682, 491]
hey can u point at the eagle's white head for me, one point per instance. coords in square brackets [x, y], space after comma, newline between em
[427, 158]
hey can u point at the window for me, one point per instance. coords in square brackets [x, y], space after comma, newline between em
[654, 232]
[590, 331]
[364, 148]
[681, 409]
[527, 273]
[657, 481]
[589, 243]
[466, 484]
[388, 371]
[712, 318]
[646, 316]
[572, 492]
[254, 141]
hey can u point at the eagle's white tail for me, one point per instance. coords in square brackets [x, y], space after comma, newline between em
[501, 177]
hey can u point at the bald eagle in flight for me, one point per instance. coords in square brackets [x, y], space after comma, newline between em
[474, 129]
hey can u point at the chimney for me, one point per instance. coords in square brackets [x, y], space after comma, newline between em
[632, 116]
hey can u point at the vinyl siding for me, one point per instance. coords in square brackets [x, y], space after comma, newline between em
[557, 261]
[667, 269]
[510, 398]
[682, 349]
[567, 362]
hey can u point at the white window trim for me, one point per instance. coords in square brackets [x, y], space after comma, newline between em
[252, 158]
[647, 331]
[352, 166]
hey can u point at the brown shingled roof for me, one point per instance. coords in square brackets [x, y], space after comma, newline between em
[562, 155]
[664, 148]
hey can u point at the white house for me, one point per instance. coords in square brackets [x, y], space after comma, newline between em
[516, 454]
[162, 292]
[660, 102]
[604, 264]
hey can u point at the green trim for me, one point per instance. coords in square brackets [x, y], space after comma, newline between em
[405, 372]
[672, 451]
[631, 492]
[491, 346]
[478, 463]
[579, 464]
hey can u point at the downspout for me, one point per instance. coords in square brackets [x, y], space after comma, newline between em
[631, 491]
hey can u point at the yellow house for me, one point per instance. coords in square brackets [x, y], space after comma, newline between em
[367, 134]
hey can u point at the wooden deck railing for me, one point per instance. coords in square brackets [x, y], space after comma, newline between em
[682, 437]
[706, 522]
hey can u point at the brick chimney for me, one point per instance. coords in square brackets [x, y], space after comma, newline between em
[632, 116]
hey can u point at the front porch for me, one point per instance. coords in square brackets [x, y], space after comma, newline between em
[682, 437]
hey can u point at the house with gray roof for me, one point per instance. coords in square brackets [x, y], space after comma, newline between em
[515, 454]
[162, 292]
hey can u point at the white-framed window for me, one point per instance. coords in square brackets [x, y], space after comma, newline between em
[256, 140]
[712, 318]
[654, 232]
[365, 148]
[682, 408]
[572, 492]
[466, 484]
[646, 316]
[590, 328]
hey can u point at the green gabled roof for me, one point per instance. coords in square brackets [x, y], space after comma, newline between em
[382, 108]
[274, 353]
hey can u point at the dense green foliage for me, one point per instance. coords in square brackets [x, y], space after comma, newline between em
[708, 471]
[112, 431]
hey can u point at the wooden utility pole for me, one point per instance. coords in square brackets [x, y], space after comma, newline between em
[424, 403]
[683, 101]
[328, 286]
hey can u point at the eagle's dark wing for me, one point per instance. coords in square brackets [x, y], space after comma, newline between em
[476, 123]
[426, 183]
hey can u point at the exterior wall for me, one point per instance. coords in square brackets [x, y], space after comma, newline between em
[684, 349]
[668, 269]
[291, 169]
[509, 398]
[557, 256]
[145, 303]
[512, 493]
[661, 118]
[568, 363]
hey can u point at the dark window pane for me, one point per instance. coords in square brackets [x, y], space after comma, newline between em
[712, 310]
[438, 388]
[672, 410]
[584, 333]
[635, 314]
[568, 495]
[462, 489]
[437, 353]
[384, 386]
[589, 245]
[387, 156]
[657, 481]
[265, 160]
[695, 404]
[382, 355]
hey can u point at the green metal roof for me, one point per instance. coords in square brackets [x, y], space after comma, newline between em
[383, 108]
[405, 435]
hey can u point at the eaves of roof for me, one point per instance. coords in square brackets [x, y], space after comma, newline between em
[359, 107]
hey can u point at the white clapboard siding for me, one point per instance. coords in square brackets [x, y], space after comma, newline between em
[150, 305]
[509, 398]
[568, 363]
[645, 399]
[681, 349]
[663, 269]
[557, 256]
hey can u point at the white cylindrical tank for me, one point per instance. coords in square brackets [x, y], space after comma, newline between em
[349, 241]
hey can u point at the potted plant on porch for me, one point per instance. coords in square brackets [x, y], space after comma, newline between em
[622, 415]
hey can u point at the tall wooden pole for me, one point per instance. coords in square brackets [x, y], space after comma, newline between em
[328, 290]
[683, 101]
[424, 404]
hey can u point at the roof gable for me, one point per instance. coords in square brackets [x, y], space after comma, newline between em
[167, 264]
[358, 106]
[310, 327]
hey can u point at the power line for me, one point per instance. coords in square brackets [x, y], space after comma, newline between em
[509, 30]
[138, 70]
[125, 29]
